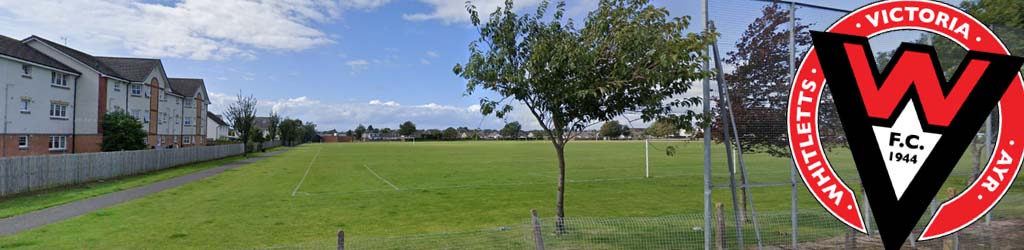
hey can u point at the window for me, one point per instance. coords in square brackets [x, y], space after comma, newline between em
[58, 110]
[188, 103]
[147, 94]
[161, 140]
[23, 141]
[136, 90]
[137, 114]
[117, 87]
[175, 139]
[163, 118]
[58, 79]
[58, 142]
[188, 121]
[26, 71]
[186, 140]
[24, 105]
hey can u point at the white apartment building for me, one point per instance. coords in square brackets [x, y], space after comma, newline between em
[39, 101]
[139, 86]
[193, 109]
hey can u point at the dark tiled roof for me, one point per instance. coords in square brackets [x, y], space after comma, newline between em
[216, 118]
[14, 48]
[81, 57]
[132, 69]
[262, 123]
[185, 86]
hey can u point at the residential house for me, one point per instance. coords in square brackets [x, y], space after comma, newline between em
[216, 128]
[263, 124]
[39, 101]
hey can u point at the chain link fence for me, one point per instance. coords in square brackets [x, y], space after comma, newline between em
[758, 51]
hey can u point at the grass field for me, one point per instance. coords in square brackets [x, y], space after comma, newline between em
[49, 198]
[392, 189]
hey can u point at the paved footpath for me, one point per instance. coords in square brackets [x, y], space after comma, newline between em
[16, 224]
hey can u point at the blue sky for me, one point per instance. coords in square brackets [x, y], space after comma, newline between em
[338, 64]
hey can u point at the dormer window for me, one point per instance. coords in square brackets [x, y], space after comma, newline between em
[58, 79]
[136, 90]
[188, 103]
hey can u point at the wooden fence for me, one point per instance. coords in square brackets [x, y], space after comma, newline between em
[32, 173]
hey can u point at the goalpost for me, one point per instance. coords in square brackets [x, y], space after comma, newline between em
[660, 145]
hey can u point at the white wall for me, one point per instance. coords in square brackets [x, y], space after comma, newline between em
[41, 93]
[88, 89]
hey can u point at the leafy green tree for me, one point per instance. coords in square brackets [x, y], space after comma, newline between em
[386, 130]
[359, 132]
[348, 133]
[407, 128]
[242, 115]
[511, 130]
[450, 134]
[275, 121]
[613, 129]
[1009, 13]
[258, 136]
[628, 56]
[122, 131]
[662, 128]
[309, 132]
[289, 131]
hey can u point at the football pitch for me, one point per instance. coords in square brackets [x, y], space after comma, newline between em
[393, 189]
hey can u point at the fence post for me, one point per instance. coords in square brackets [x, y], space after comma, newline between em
[720, 229]
[951, 243]
[537, 234]
[341, 239]
[851, 238]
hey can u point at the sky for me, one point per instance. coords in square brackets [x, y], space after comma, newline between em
[335, 63]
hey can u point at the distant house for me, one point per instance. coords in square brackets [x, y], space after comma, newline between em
[334, 137]
[216, 128]
[263, 124]
[587, 135]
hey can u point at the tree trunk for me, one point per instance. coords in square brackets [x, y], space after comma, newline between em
[560, 208]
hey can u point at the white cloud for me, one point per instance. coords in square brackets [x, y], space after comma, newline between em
[357, 65]
[424, 61]
[432, 53]
[388, 103]
[451, 11]
[365, 4]
[194, 29]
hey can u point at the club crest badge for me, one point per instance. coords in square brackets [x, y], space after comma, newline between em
[907, 125]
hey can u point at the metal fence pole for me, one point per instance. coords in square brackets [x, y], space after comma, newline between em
[538, 236]
[707, 142]
[726, 122]
[794, 206]
[341, 239]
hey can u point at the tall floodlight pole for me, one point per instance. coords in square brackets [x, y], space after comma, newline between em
[792, 79]
[707, 140]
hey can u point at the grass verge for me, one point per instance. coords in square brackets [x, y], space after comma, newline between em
[28, 203]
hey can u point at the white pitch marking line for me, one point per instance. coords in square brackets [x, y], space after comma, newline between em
[381, 178]
[296, 190]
